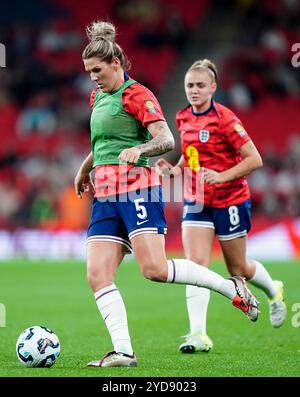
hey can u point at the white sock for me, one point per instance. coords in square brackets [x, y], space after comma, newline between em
[263, 280]
[113, 311]
[184, 271]
[197, 299]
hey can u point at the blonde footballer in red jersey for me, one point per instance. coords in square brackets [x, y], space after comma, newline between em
[128, 127]
[215, 145]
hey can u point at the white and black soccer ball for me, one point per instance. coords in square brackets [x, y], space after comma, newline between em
[38, 347]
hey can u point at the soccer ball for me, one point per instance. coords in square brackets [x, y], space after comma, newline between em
[37, 347]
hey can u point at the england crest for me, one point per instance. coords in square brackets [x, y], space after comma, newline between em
[203, 135]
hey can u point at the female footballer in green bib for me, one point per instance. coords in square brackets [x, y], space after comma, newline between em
[128, 127]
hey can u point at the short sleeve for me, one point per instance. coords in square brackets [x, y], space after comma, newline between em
[142, 104]
[177, 121]
[92, 97]
[234, 131]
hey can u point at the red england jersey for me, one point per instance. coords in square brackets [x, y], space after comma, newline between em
[212, 140]
[111, 179]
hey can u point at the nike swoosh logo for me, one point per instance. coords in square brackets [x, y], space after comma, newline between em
[141, 222]
[231, 229]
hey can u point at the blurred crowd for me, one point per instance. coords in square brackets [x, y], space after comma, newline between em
[44, 93]
[261, 67]
[275, 188]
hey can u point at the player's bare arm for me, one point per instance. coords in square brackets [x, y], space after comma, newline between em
[251, 160]
[161, 142]
[83, 179]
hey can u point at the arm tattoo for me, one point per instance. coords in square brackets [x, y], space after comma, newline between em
[163, 142]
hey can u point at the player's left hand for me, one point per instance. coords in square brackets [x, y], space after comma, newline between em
[83, 182]
[130, 155]
[212, 177]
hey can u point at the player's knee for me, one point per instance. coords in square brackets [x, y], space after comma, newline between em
[97, 280]
[90, 279]
[153, 271]
[237, 269]
[199, 259]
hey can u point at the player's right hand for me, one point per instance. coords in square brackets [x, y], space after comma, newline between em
[165, 168]
[83, 183]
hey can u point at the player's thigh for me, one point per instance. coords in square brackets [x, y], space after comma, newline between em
[143, 216]
[107, 242]
[103, 259]
[197, 243]
[149, 251]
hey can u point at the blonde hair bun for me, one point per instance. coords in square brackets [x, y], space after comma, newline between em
[98, 30]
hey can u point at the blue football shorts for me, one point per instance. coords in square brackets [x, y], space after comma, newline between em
[229, 222]
[122, 217]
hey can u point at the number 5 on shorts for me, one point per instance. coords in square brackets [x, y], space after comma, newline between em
[140, 209]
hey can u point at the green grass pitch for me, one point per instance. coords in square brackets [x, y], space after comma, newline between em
[57, 295]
